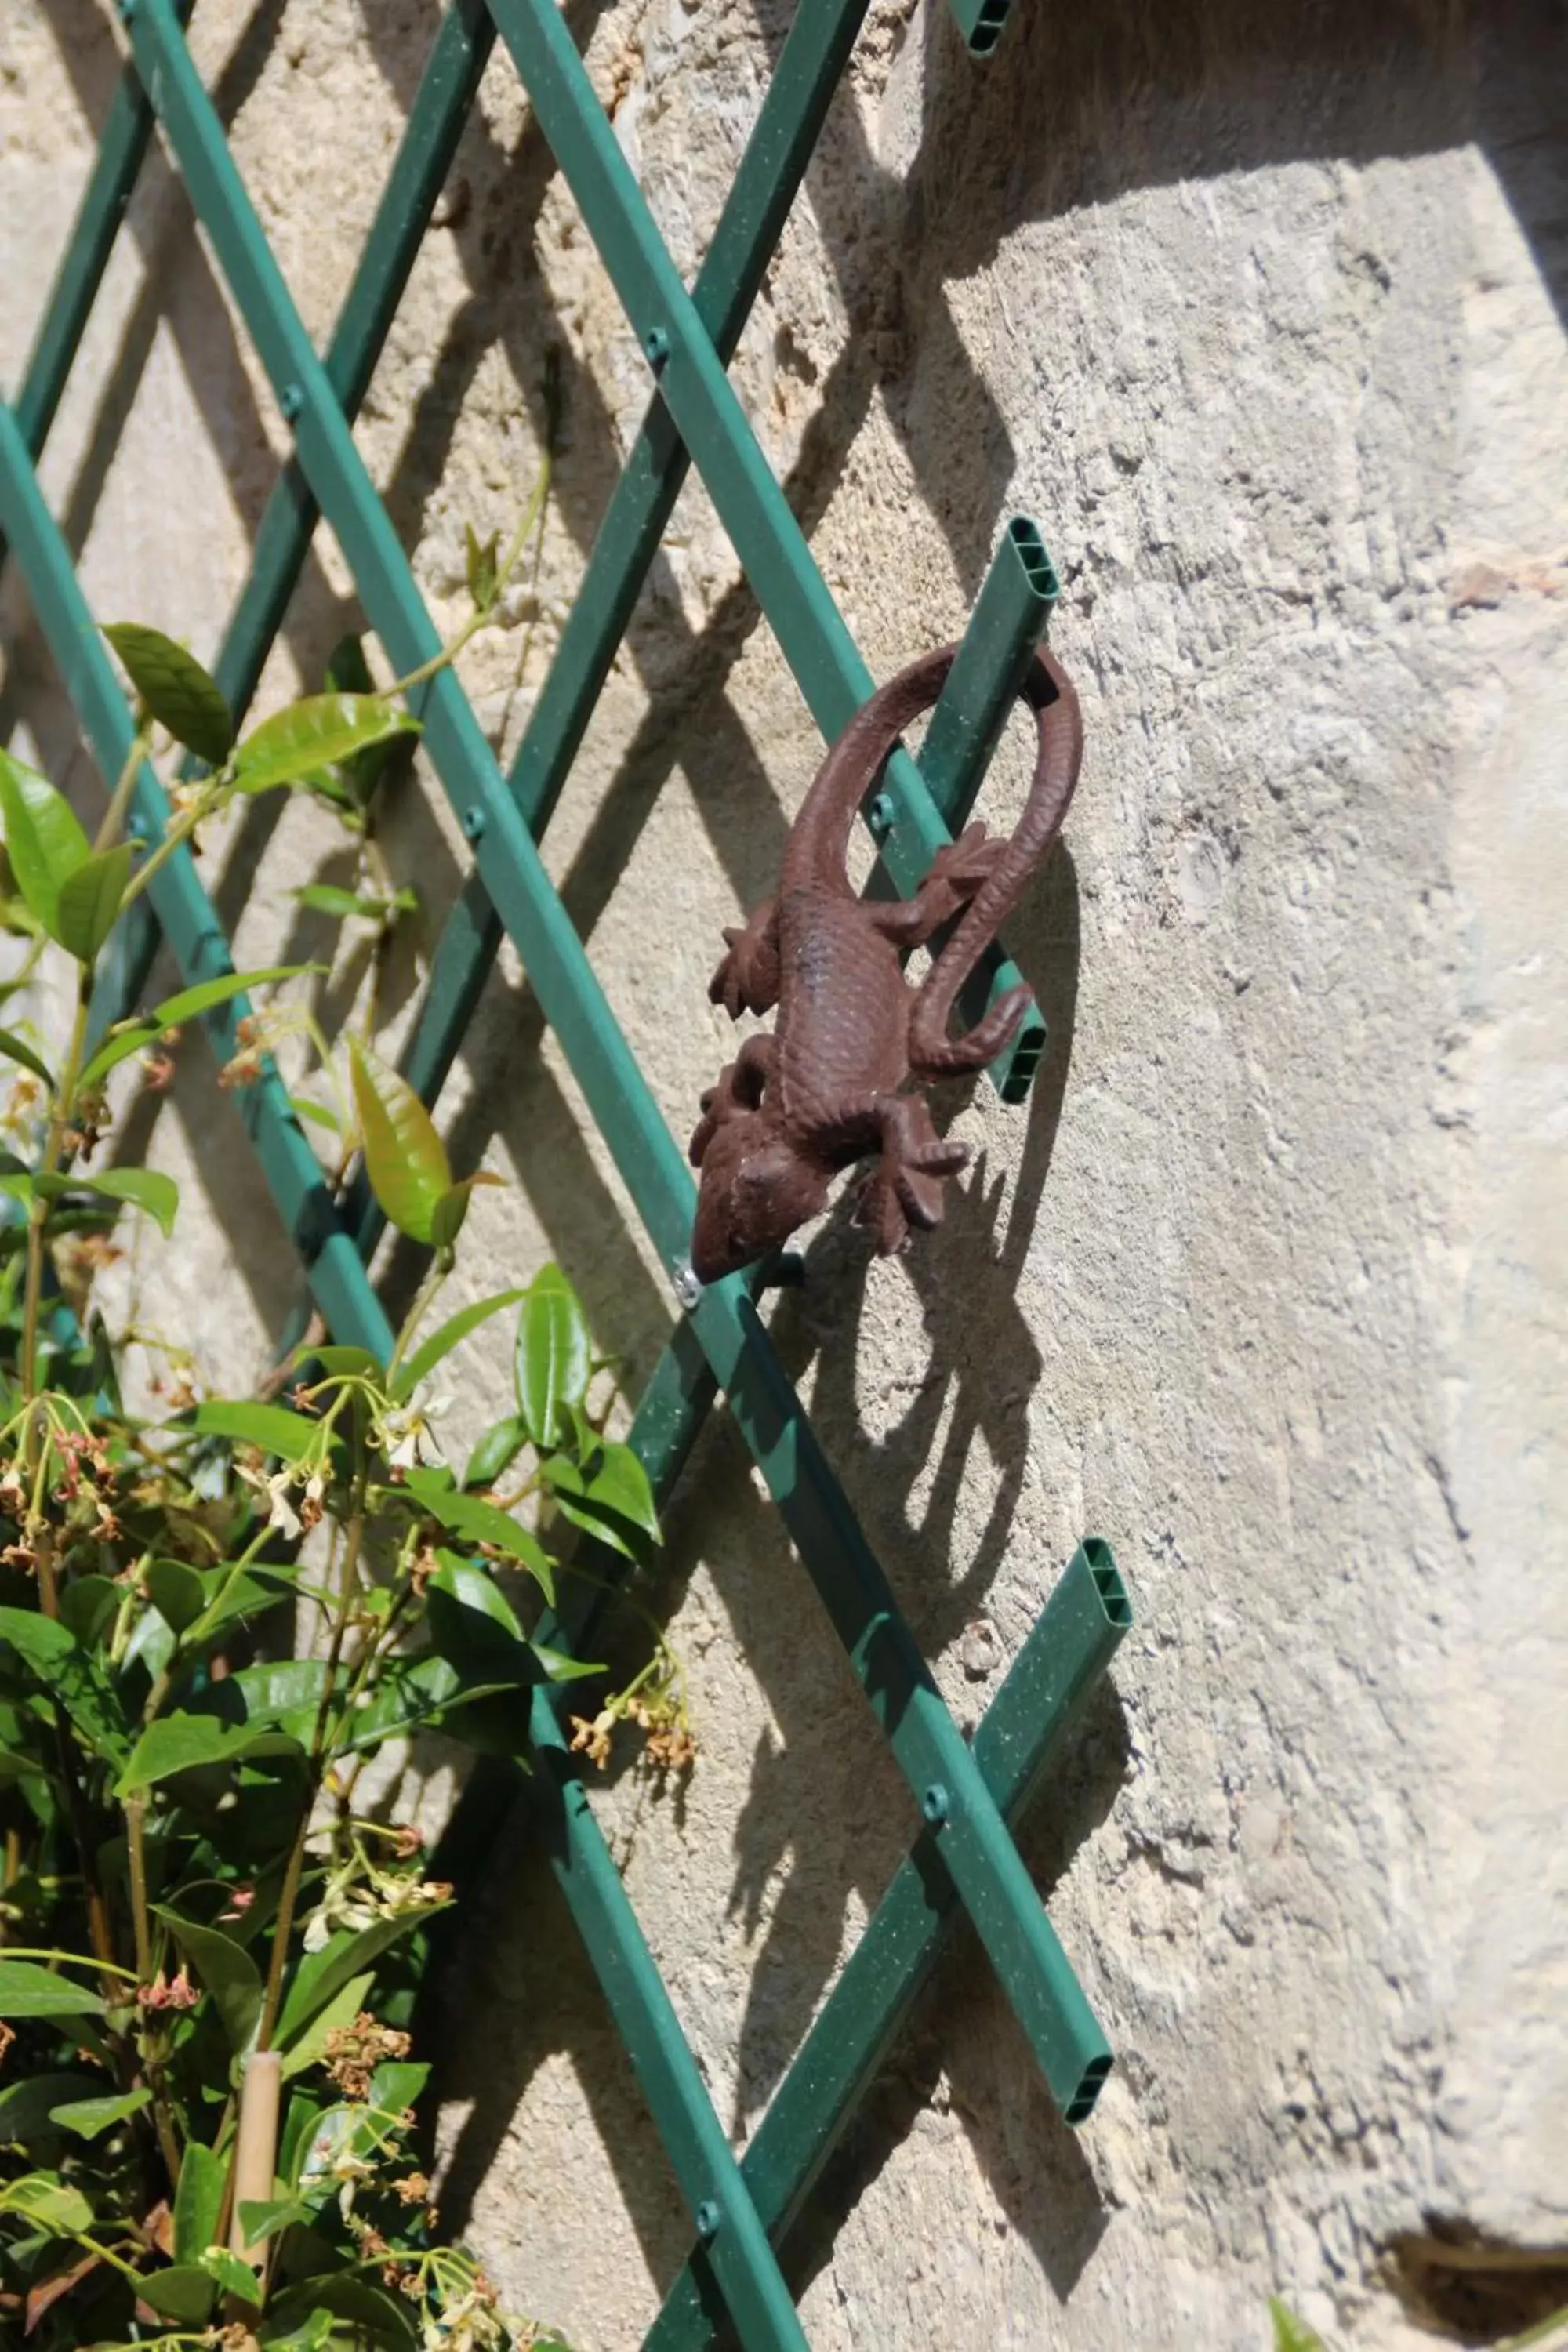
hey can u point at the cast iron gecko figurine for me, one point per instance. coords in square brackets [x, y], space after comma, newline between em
[827, 1088]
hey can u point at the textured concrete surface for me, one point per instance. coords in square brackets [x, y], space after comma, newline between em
[1259, 311]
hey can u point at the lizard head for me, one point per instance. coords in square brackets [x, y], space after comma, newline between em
[756, 1188]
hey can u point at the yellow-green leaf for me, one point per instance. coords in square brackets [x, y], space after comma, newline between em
[446, 1217]
[43, 2199]
[324, 728]
[1290, 2334]
[177, 690]
[44, 842]
[405, 1158]
[145, 1187]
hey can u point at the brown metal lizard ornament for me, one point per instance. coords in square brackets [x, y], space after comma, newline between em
[828, 1087]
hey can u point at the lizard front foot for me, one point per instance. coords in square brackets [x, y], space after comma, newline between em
[748, 979]
[739, 1089]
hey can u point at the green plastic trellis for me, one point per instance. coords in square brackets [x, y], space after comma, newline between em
[964, 1860]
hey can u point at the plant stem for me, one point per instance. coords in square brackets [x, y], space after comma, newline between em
[38, 1208]
[125, 783]
[288, 1896]
[175, 835]
[135, 1822]
[482, 616]
[441, 1266]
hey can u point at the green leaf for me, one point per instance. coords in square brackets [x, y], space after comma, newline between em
[230, 1598]
[28, 1990]
[291, 1437]
[316, 1114]
[321, 1975]
[186, 2293]
[88, 2118]
[176, 1591]
[42, 2199]
[500, 1446]
[554, 1354]
[559, 1665]
[484, 568]
[53, 1653]
[614, 1502]
[450, 1213]
[1290, 2334]
[25, 2107]
[341, 2010]
[287, 1691]
[231, 2275]
[178, 1742]
[619, 1485]
[44, 842]
[17, 1049]
[177, 690]
[385, 2320]
[290, 2333]
[88, 901]
[346, 1363]
[329, 898]
[187, 1003]
[482, 1523]
[226, 1971]
[86, 1603]
[474, 1624]
[134, 1037]
[442, 1341]
[324, 728]
[405, 1158]
[198, 2200]
[409, 1695]
[145, 1187]
[264, 2217]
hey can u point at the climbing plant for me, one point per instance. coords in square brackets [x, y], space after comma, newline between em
[214, 1621]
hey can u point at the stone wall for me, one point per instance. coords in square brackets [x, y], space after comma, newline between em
[1256, 309]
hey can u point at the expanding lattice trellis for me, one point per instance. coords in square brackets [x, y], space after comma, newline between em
[964, 1860]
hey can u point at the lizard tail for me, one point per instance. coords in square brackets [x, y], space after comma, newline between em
[819, 839]
[1049, 691]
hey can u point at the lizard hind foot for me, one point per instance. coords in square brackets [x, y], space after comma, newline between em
[966, 864]
[903, 1193]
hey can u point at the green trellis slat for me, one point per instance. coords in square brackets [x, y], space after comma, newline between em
[744, 2265]
[448, 88]
[1069, 1647]
[965, 1860]
[1013, 1925]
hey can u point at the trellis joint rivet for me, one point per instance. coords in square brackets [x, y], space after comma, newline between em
[933, 1804]
[879, 816]
[290, 400]
[707, 2218]
[687, 1289]
[127, 11]
[473, 822]
[656, 347]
